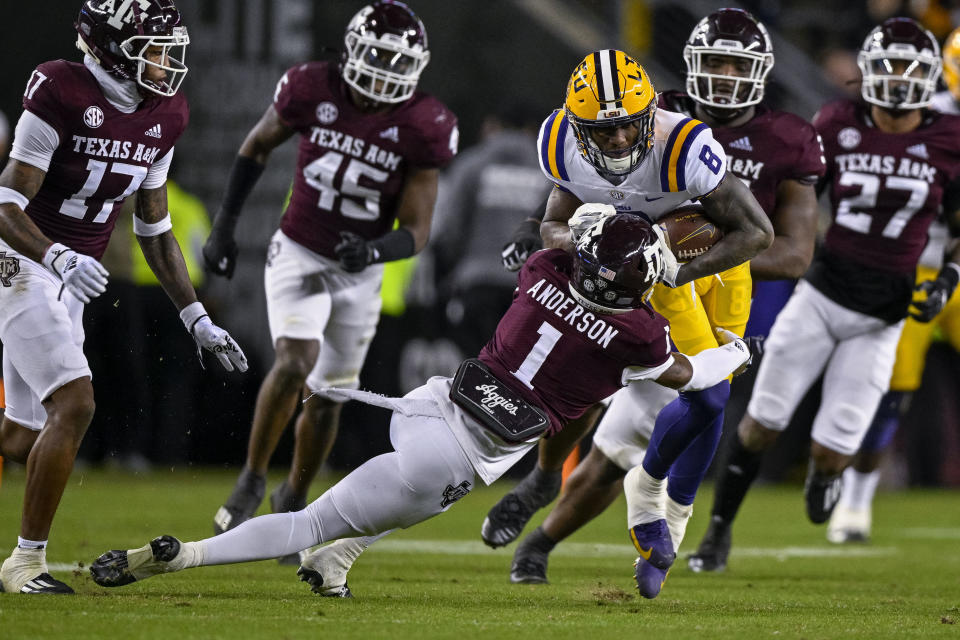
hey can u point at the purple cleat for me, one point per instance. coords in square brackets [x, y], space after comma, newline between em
[653, 542]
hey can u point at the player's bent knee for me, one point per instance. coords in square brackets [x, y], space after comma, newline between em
[710, 402]
[754, 435]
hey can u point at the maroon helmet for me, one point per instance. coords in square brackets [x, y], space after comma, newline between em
[900, 63]
[730, 33]
[617, 261]
[386, 51]
[117, 34]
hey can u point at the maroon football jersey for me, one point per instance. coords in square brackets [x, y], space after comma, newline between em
[351, 165]
[885, 189]
[560, 356]
[104, 154]
[771, 147]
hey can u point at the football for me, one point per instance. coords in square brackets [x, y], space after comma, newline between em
[690, 232]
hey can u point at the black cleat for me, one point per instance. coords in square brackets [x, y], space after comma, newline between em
[242, 503]
[821, 493]
[118, 568]
[505, 521]
[315, 580]
[712, 553]
[529, 564]
[44, 584]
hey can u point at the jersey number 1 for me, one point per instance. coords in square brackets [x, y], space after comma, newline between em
[549, 336]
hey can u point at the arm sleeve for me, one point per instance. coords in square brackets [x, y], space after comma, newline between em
[157, 174]
[35, 141]
[645, 373]
[712, 366]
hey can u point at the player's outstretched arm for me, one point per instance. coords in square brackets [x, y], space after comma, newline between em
[220, 250]
[554, 229]
[794, 221]
[746, 230]
[702, 371]
[153, 228]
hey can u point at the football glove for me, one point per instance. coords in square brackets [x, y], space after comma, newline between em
[754, 345]
[938, 292]
[83, 276]
[220, 251]
[212, 338]
[588, 215]
[526, 240]
[670, 265]
[353, 252]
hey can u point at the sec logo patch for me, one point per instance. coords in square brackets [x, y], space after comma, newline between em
[849, 138]
[93, 117]
[327, 112]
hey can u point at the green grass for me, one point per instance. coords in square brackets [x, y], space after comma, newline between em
[785, 582]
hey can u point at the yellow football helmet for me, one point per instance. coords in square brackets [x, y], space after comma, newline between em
[610, 89]
[951, 63]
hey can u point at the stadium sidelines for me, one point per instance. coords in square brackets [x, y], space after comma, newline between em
[585, 549]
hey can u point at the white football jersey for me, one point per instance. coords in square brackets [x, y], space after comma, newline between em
[686, 163]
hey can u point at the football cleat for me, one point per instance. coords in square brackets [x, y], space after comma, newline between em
[282, 500]
[315, 580]
[652, 541]
[821, 494]
[325, 570]
[118, 568]
[849, 525]
[242, 503]
[712, 553]
[505, 521]
[25, 571]
[529, 564]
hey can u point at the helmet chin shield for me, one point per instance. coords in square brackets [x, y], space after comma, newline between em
[900, 62]
[385, 52]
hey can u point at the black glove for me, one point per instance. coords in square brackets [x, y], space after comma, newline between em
[353, 252]
[755, 344]
[938, 292]
[526, 240]
[220, 250]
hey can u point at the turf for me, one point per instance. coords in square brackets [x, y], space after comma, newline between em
[437, 580]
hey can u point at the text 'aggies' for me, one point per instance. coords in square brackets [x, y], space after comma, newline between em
[118, 149]
[567, 309]
[344, 143]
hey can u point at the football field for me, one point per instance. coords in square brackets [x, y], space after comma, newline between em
[437, 580]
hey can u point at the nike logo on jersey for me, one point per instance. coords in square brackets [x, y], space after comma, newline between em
[393, 133]
[649, 199]
[919, 150]
[741, 143]
[153, 132]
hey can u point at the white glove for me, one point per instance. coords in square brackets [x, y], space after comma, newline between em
[212, 338]
[82, 275]
[725, 336]
[588, 215]
[670, 265]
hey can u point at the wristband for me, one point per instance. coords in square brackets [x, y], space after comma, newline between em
[12, 196]
[526, 229]
[191, 314]
[396, 245]
[150, 229]
[50, 256]
[951, 274]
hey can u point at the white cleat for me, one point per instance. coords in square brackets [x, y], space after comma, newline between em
[326, 572]
[849, 525]
[25, 571]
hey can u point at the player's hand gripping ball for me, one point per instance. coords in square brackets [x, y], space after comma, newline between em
[690, 232]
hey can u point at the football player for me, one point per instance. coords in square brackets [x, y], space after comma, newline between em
[584, 312]
[892, 164]
[851, 520]
[369, 153]
[728, 56]
[90, 135]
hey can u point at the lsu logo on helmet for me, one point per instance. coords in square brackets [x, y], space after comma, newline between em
[610, 89]
[951, 63]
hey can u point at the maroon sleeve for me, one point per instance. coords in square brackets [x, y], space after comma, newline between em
[42, 96]
[810, 164]
[439, 135]
[291, 98]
